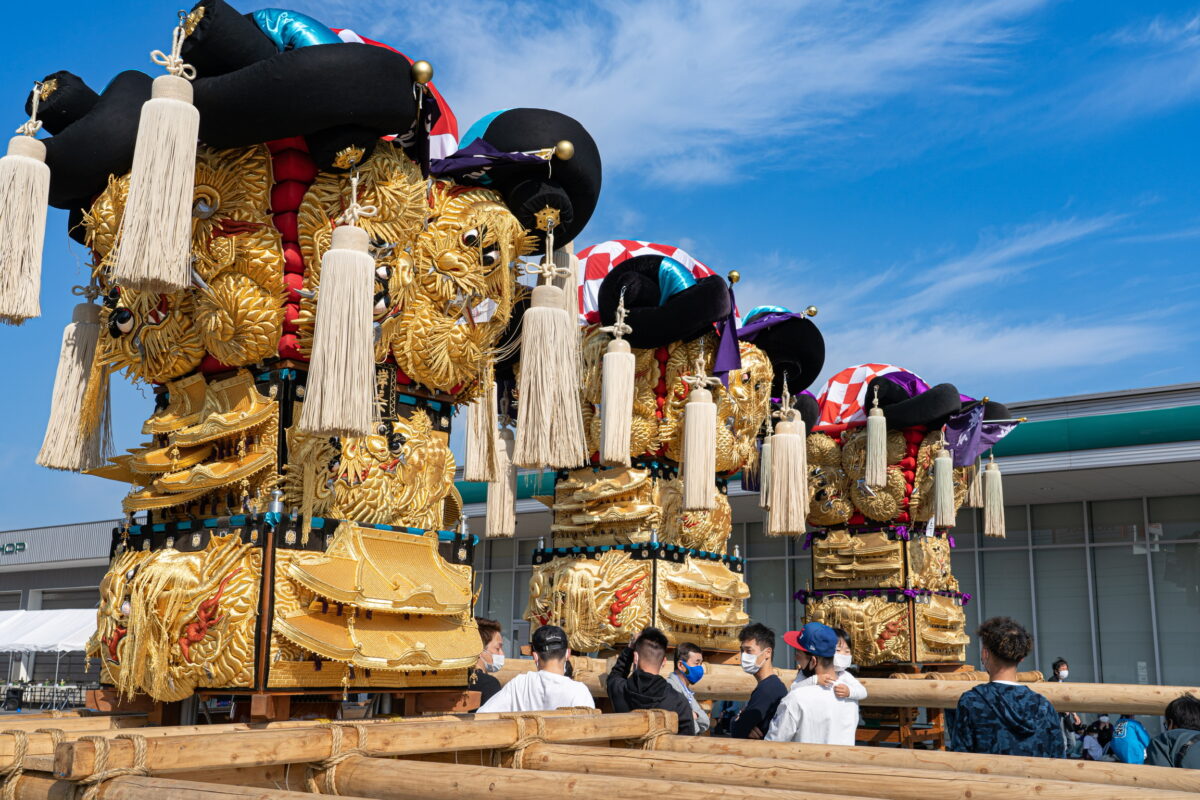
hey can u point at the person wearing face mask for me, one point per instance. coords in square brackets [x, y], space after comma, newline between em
[548, 688]
[1004, 717]
[689, 669]
[811, 713]
[490, 660]
[1072, 725]
[758, 647]
[845, 686]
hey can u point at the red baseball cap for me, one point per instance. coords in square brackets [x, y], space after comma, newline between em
[814, 638]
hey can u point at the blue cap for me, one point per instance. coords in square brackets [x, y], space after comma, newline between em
[815, 638]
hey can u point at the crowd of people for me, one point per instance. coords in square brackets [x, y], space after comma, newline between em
[999, 717]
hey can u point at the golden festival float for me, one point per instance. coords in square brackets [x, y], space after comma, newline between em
[292, 246]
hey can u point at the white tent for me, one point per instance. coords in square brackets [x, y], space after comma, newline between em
[62, 630]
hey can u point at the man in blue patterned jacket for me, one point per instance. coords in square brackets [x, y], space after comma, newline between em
[1002, 717]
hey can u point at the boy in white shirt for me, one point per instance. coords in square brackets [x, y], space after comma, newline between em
[811, 713]
[845, 686]
[548, 688]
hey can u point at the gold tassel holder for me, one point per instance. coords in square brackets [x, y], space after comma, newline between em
[65, 446]
[339, 398]
[502, 492]
[943, 488]
[876, 467]
[24, 194]
[993, 501]
[154, 245]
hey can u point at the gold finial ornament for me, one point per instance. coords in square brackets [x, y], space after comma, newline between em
[565, 150]
[734, 276]
[422, 72]
[811, 311]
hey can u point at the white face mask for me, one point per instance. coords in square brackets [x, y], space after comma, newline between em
[496, 664]
[842, 660]
[750, 663]
[1063, 673]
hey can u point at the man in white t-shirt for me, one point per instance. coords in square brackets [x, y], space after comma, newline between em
[812, 713]
[548, 688]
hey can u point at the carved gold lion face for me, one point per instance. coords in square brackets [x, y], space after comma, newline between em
[151, 336]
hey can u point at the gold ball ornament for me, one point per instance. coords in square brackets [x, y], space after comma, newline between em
[565, 150]
[422, 72]
[811, 311]
[734, 276]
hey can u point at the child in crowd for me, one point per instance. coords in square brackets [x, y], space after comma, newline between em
[845, 685]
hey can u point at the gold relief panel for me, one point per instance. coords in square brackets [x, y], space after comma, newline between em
[862, 561]
[607, 506]
[698, 530]
[700, 601]
[929, 564]
[880, 630]
[600, 602]
[172, 622]
[941, 630]
[922, 501]
[828, 487]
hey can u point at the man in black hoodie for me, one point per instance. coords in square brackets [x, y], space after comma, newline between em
[645, 688]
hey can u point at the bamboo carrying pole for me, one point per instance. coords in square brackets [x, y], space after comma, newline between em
[133, 787]
[862, 780]
[76, 760]
[384, 779]
[1135, 775]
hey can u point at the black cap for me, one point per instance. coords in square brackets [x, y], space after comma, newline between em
[549, 637]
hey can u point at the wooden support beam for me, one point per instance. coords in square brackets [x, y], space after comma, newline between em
[1106, 772]
[726, 682]
[862, 780]
[385, 779]
[133, 787]
[74, 760]
[75, 724]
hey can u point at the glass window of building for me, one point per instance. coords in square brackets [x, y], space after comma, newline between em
[770, 601]
[1005, 589]
[1174, 517]
[1064, 620]
[1123, 613]
[1057, 523]
[1116, 520]
[1016, 529]
[1177, 600]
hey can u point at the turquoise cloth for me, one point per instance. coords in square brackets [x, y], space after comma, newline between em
[673, 278]
[757, 310]
[291, 29]
[479, 128]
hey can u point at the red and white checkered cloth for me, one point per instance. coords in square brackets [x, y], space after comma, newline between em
[443, 139]
[599, 259]
[843, 398]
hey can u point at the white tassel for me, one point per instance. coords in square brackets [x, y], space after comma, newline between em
[482, 452]
[764, 474]
[993, 505]
[975, 488]
[24, 193]
[65, 446]
[943, 489]
[876, 467]
[154, 247]
[567, 265]
[789, 479]
[616, 403]
[699, 450]
[339, 399]
[550, 420]
[502, 492]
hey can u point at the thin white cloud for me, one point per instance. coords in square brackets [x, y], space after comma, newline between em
[1164, 236]
[693, 92]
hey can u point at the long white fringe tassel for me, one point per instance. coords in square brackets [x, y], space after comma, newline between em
[567, 268]
[764, 473]
[789, 479]
[339, 399]
[876, 467]
[550, 420]
[616, 392]
[482, 450]
[993, 504]
[65, 446]
[502, 492]
[975, 488]
[699, 450]
[24, 193]
[943, 489]
[154, 245]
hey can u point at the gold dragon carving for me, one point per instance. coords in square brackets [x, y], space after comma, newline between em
[599, 602]
[828, 487]
[171, 622]
[881, 631]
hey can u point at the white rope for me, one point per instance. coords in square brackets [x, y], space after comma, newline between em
[174, 63]
[355, 211]
[619, 328]
[33, 125]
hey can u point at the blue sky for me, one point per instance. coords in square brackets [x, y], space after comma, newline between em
[1000, 194]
